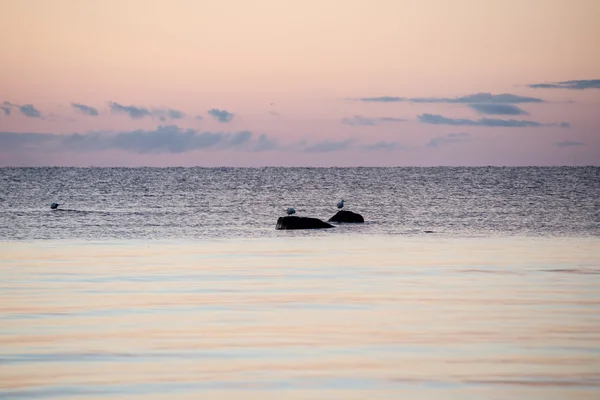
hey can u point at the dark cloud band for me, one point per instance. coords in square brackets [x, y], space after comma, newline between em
[487, 98]
[165, 139]
[498, 109]
[572, 85]
[357, 120]
[170, 139]
[489, 122]
[450, 138]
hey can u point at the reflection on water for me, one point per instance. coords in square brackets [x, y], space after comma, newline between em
[298, 318]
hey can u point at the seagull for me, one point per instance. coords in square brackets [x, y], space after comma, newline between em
[54, 206]
[290, 211]
[340, 204]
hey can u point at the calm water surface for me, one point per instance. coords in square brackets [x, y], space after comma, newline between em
[185, 290]
[317, 318]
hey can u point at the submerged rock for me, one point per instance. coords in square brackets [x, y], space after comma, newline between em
[301, 223]
[346, 216]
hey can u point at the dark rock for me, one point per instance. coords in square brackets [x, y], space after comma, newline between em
[301, 223]
[346, 216]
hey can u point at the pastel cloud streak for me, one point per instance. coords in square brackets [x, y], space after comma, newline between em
[383, 145]
[366, 121]
[436, 119]
[450, 138]
[572, 85]
[164, 139]
[489, 98]
[168, 139]
[568, 143]
[498, 109]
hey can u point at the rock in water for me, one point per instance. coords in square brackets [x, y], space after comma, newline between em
[301, 223]
[346, 216]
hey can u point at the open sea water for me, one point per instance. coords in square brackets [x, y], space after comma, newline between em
[161, 283]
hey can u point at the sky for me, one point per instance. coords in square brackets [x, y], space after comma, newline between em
[311, 83]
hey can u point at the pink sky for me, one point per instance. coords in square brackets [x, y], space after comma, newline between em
[294, 72]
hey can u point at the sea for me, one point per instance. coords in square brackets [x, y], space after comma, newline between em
[173, 283]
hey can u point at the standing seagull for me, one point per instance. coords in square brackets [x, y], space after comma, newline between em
[54, 206]
[290, 211]
[340, 204]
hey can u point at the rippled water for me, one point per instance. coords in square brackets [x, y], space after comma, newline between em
[173, 283]
[120, 203]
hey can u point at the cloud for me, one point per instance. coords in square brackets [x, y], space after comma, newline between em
[27, 110]
[6, 108]
[264, 143]
[568, 143]
[505, 98]
[274, 114]
[133, 111]
[572, 85]
[198, 118]
[171, 139]
[450, 138]
[221, 115]
[498, 109]
[30, 111]
[87, 110]
[489, 98]
[381, 146]
[136, 112]
[490, 122]
[327, 146]
[24, 141]
[560, 125]
[174, 114]
[164, 139]
[383, 99]
[357, 120]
